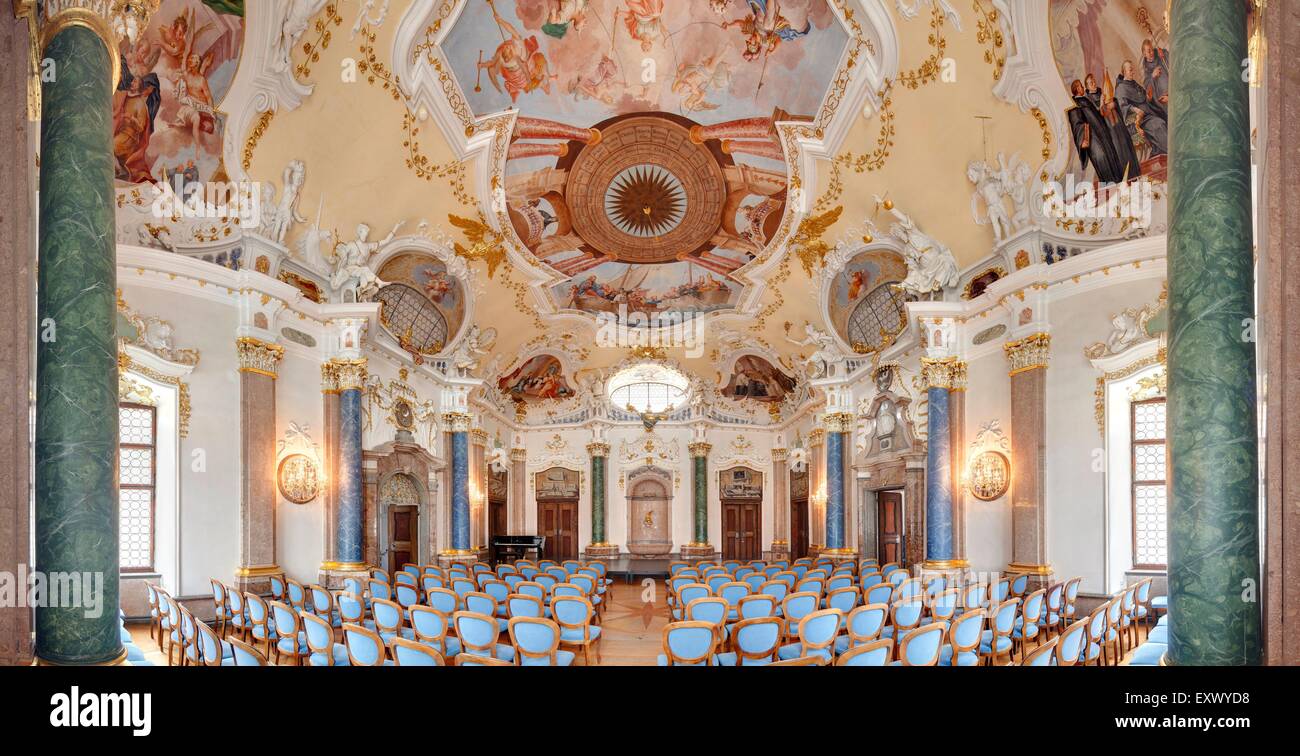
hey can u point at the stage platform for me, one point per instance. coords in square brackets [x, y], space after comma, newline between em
[630, 567]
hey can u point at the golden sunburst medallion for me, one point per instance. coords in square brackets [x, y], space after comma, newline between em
[645, 200]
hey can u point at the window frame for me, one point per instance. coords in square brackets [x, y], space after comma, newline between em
[1134, 482]
[152, 487]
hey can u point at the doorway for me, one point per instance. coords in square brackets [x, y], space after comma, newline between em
[741, 492]
[498, 488]
[799, 515]
[889, 526]
[557, 512]
[402, 548]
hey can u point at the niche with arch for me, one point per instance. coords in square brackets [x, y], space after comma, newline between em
[649, 511]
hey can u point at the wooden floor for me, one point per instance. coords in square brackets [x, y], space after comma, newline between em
[632, 635]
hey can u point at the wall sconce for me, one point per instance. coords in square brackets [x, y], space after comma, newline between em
[989, 476]
[298, 478]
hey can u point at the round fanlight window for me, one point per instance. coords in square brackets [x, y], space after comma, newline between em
[298, 478]
[990, 475]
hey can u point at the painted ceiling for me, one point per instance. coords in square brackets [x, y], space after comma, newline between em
[655, 154]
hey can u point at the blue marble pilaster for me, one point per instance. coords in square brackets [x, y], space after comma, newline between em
[348, 547]
[834, 489]
[938, 479]
[460, 490]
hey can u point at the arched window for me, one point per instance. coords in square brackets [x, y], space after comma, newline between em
[648, 388]
[1150, 494]
[878, 318]
[412, 319]
[137, 478]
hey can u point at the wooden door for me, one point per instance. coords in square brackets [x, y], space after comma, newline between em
[742, 530]
[798, 528]
[558, 521]
[402, 545]
[497, 520]
[889, 526]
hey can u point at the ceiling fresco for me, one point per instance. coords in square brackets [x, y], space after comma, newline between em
[166, 116]
[644, 167]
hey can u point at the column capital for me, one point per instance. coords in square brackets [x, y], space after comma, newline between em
[1029, 353]
[329, 378]
[699, 448]
[780, 455]
[941, 372]
[351, 374]
[838, 422]
[478, 436]
[518, 455]
[111, 20]
[457, 422]
[257, 356]
[598, 449]
[816, 438]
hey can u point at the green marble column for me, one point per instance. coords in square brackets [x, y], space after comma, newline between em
[1214, 610]
[599, 452]
[76, 353]
[700, 468]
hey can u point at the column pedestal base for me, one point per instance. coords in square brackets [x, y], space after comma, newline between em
[332, 574]
[1040, 575]
[256, 579]
[601, 551]
[838, 555]
[457, 556]
[780, 550]
[698, 551]
[951, 569]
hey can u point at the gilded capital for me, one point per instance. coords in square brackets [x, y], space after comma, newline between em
[938, 372]
[598, 449]
[111, 20]
[329, 378]
[958, 375]
[478, 436]
[700, 448]
[1029, 353]
[457, 422]
[351, 374]
[518, 455]
[838, 422]
[257, 356]
[780, 455]
[816, 438]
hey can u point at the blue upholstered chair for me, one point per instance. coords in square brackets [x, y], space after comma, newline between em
[755, 581]
[943, 606]
[548, 583]
[297, 595]
[464, 585]
[378, 589]
[528, 571]
[771, 570]
[881, 593]
[996, 641]
[863, 624]
[220, 608]
[544, 564]
[817, 632]
[290, 640]
[1043, 656]
[1019, 584]
[407, 596]
[789, 577]
[904, 616]
[711, 609]
[277, 588]
[838, 581]
[964, 636]
[1053, 609]
[574, 615]
[444, 600]
[155, 612]
[430, 627]
[755, 642]
[876, 653]
[533, 588]
[483, 603]
[777, 589]
[408, 653]
[402, 577]
[478, 635]
[536, 643]
[743, 572]
[322, 650]
[794, 608]
[975, 596]
[239, 624]
[259, 619]
[1026, 625]
[1096, 639]
[685, 595]
[379, 574]
[815, 584]
[1142, 611]
[688, 644]
[506, 569]
[1127, 622]
[676, 567]
[189, 638]
[897, 577]
[587, 584]
[909, 588]
[355, 586]
[1110, 647]
[245, 655]
[388, 619]
[936, 585]
[500, 591]
[870, 580]
[560, 574]
[322, 604]
[716, 580]
[845, 599]
[169, 625]
[920, 648]
[365, 647]
[1069, 611]
[523, 605]
[352, 609]
[756, 606]
[732, 593]
[1001, 592]
[1070, 643]
[889, 567]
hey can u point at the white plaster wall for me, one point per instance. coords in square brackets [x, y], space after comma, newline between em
[300, 528]
[1076, 487]
[209, 457]
[988, 523]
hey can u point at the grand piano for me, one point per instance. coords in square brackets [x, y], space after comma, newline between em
[509, 547]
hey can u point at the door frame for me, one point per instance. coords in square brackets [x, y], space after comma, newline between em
[757, 548]
[902, 521]
[391, 565]
[807, 530]
[577, 547]
[423, 549]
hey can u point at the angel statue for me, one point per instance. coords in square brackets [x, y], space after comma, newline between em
[930, 264]
[825, 355]
[475, 343]
[989, 187]
[297, 18]
[278, 221]
[352, 272]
